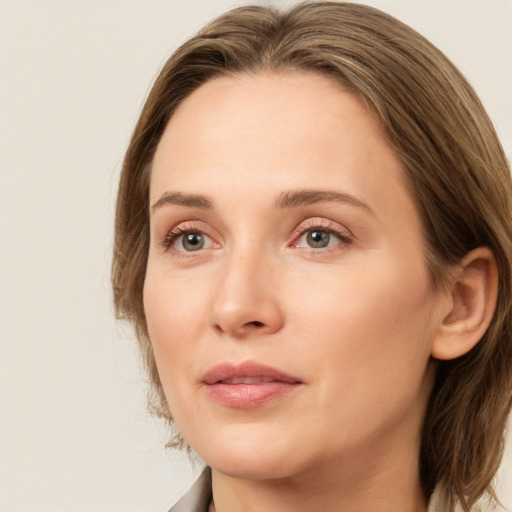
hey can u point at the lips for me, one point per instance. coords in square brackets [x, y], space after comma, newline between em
[248, 385]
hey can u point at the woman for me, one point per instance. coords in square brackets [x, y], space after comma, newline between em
[314, 244]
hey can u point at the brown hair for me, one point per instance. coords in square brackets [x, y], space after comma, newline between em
[454, 166]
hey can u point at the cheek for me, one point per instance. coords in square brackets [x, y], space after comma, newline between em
[372, 325]
[369, 345]
[171, 304]
[175, 313]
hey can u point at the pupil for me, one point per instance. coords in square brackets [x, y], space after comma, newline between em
[318, 238]
[193, 241]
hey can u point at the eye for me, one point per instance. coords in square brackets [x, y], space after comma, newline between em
[190, 241]
[187, 240]
[321, 234]
[318, 238]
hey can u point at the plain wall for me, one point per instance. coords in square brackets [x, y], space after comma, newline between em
[74, 433]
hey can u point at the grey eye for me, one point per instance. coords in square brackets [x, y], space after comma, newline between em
[318, 238]
[191, 241]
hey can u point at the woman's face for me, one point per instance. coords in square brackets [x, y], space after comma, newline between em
[287, 296]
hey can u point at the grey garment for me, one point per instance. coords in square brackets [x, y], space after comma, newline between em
[198, 497]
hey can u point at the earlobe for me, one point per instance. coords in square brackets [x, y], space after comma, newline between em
[473, 292]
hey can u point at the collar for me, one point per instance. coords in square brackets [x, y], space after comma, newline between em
[198, 497]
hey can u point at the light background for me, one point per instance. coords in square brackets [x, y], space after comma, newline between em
[74, 434]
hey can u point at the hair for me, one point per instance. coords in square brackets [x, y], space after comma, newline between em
[453, 163]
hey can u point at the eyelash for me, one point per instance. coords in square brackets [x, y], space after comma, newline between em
[344, 236]
[172, 236]
[175, 234]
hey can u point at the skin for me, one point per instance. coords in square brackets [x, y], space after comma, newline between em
[355, 321]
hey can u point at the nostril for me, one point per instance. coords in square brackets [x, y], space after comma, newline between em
[244, 329]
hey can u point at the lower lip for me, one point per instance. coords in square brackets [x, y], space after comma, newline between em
[247, 396]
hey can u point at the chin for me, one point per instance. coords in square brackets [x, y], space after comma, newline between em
[261, 467]
[238, 453]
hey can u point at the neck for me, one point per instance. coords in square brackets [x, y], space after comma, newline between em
[381, 474]
[378, 480]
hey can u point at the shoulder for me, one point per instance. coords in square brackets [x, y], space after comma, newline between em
[440, 502]
[198, 496]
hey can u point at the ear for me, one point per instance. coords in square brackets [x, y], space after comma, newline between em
[473, 293]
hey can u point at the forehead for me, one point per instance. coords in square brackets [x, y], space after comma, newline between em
[272, 132]
[271, 116]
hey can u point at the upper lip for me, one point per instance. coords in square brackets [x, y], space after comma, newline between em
[247, 370]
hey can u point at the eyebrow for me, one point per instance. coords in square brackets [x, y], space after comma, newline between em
[292, 199]
[181, 199]
[306, 197]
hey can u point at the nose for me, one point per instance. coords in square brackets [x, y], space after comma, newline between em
[246, 301]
